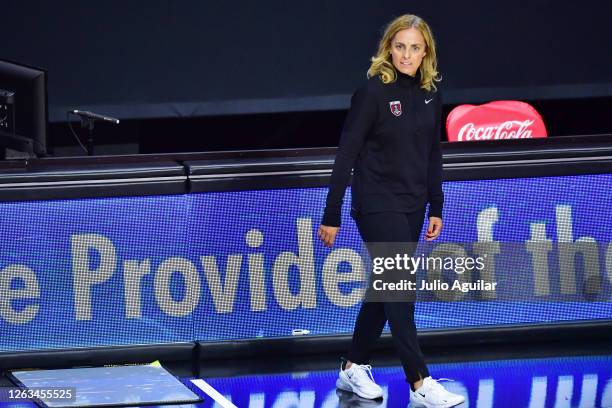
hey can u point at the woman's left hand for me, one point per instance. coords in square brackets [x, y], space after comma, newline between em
[435, 226]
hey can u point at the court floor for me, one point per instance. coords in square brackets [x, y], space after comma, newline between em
[536, 376]
[577, 381]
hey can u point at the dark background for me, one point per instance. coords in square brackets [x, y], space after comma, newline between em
[206, 75]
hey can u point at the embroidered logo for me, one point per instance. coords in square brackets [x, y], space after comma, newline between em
[396, 107]
[428, 100]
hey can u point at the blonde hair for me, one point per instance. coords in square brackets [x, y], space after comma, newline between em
[382, 64]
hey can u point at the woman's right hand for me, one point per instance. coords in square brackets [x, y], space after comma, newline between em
[327, 234]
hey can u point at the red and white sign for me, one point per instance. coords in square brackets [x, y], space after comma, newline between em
[493, 121]
[396, 107]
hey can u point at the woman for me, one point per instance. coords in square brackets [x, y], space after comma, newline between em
[391, 138]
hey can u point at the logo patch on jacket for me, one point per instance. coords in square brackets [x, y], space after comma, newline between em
[396, 107]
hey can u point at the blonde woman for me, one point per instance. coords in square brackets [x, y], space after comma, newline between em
[391, 138]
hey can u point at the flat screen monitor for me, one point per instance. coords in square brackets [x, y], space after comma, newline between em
[25, 113]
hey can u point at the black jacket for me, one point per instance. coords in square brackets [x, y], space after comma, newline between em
[391, 137]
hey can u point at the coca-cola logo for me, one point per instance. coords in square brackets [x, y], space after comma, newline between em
[511, 129]
[494, 121]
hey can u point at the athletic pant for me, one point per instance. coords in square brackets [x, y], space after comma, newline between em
[389, 227]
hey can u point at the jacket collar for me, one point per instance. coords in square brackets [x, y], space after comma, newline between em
[407, 80]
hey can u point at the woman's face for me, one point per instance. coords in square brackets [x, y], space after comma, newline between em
[408, 50]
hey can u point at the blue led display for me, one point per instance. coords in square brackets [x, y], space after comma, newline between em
[231, 265]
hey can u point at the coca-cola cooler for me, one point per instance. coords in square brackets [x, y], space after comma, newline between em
[494, 121]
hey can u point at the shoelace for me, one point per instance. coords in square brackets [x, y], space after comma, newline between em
[367, 368]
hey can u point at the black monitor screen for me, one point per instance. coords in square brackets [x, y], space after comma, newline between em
[27, 118]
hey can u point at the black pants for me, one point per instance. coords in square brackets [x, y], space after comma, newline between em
[389, 227]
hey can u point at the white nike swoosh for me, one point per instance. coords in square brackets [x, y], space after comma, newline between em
[427, 101]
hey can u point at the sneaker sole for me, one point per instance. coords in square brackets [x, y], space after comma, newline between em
[421, 405]
[346, 387]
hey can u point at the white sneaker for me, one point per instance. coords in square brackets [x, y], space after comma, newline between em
[359, 379]
[433, 395]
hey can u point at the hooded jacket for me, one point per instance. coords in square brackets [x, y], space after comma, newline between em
[391, 141]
